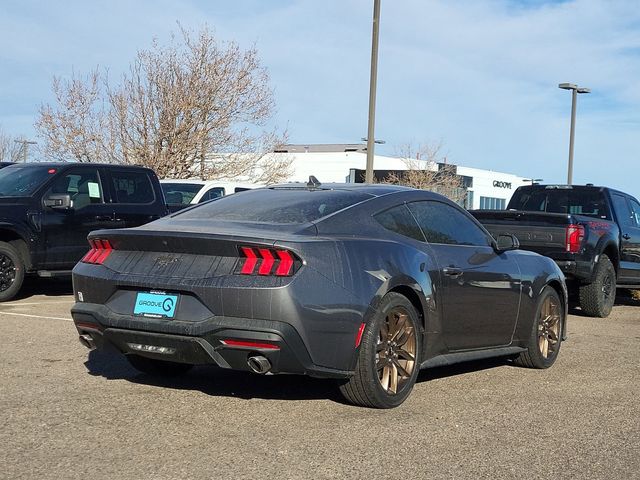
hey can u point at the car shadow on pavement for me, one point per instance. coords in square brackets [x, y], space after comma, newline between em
[461, 368]
[49, 287]
[227, 383]
[216, 381]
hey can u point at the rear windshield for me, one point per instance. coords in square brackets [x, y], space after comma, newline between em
[577, 201]
[281, 206]
[23, 181]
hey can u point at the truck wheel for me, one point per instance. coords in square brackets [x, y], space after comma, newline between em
[151, 366]
[546, 333]
[389, 356]
[597, 298]
[11, 271]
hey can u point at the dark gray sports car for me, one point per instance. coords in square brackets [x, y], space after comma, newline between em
[363, 283]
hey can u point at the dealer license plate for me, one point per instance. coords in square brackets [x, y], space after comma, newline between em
[155, 305]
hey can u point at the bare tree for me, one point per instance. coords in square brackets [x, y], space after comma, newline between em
[9, 148]
[195, 107]
[76, 129]
[427, 169]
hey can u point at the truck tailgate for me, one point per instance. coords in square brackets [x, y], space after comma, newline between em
[543, 233]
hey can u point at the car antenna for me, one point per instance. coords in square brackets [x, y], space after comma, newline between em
[313, 182]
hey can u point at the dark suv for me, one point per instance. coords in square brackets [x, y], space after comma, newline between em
[48, 209]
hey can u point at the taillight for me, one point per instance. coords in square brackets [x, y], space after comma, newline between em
[100, 250]
[575, 235]
[267, 261]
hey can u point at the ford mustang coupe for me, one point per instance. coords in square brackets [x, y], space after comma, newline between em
[366, 284]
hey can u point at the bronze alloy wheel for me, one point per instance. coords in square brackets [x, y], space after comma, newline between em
[7, 272]
[395, 350]
[549, 327]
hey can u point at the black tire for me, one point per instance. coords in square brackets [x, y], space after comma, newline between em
[379, 362]
[11, 271]
[597, 298]
[155, 367]
[547, 326]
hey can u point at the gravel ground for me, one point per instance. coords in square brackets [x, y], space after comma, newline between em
[69, 414]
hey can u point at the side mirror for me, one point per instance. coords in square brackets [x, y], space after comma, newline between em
[506, 242]
[58, 201]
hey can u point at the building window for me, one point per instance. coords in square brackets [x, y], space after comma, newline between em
[469, 202]
[491, 203]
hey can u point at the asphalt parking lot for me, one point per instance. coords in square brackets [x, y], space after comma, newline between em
[69, 414]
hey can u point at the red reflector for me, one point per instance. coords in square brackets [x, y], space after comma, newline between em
[250, 344]
[359, 335]
[51, 170]
[267, 262]
[575, 235]
[91, 326]
[286, 263]
[250, 261]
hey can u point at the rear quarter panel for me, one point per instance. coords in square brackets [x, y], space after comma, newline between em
[537, 273]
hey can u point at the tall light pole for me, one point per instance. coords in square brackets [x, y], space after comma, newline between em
[25, 148]
[368, 177]
[575, 90]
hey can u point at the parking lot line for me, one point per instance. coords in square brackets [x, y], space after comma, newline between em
[38, 316]
[13, 304]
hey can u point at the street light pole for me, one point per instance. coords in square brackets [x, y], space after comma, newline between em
[25, 148]
[575, 90]
[368, 178]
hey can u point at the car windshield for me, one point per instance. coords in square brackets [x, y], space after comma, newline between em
[23, 181]
[276, 205]
[180, 193]
[576, 201]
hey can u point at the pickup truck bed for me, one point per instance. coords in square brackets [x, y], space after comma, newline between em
[593, 234]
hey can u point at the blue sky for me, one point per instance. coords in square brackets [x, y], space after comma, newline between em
[480, 76]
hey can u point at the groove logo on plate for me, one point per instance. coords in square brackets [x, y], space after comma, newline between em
[155, 304]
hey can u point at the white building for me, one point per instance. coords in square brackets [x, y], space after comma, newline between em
[486, 189]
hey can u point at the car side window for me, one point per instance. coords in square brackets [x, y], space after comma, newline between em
[623, 212]
[215, 192]
[635, 206]
[132, 187]
[82, 186]
[399, 220]
[442, 223]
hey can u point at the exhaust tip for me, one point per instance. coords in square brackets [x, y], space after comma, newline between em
[86, 340]
[259, 364]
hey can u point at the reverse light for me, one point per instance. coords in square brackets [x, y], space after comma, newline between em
[575, 235]
[100, 250]
[267, 261]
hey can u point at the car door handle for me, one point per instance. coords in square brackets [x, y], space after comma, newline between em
[104, 218]
[452, 271]
[626, 236]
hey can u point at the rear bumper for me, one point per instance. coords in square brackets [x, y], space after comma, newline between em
[568, 267]
[580, 270]
[200, 343]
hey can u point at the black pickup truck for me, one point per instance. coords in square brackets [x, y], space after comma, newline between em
[593, 234]
[48, 209]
